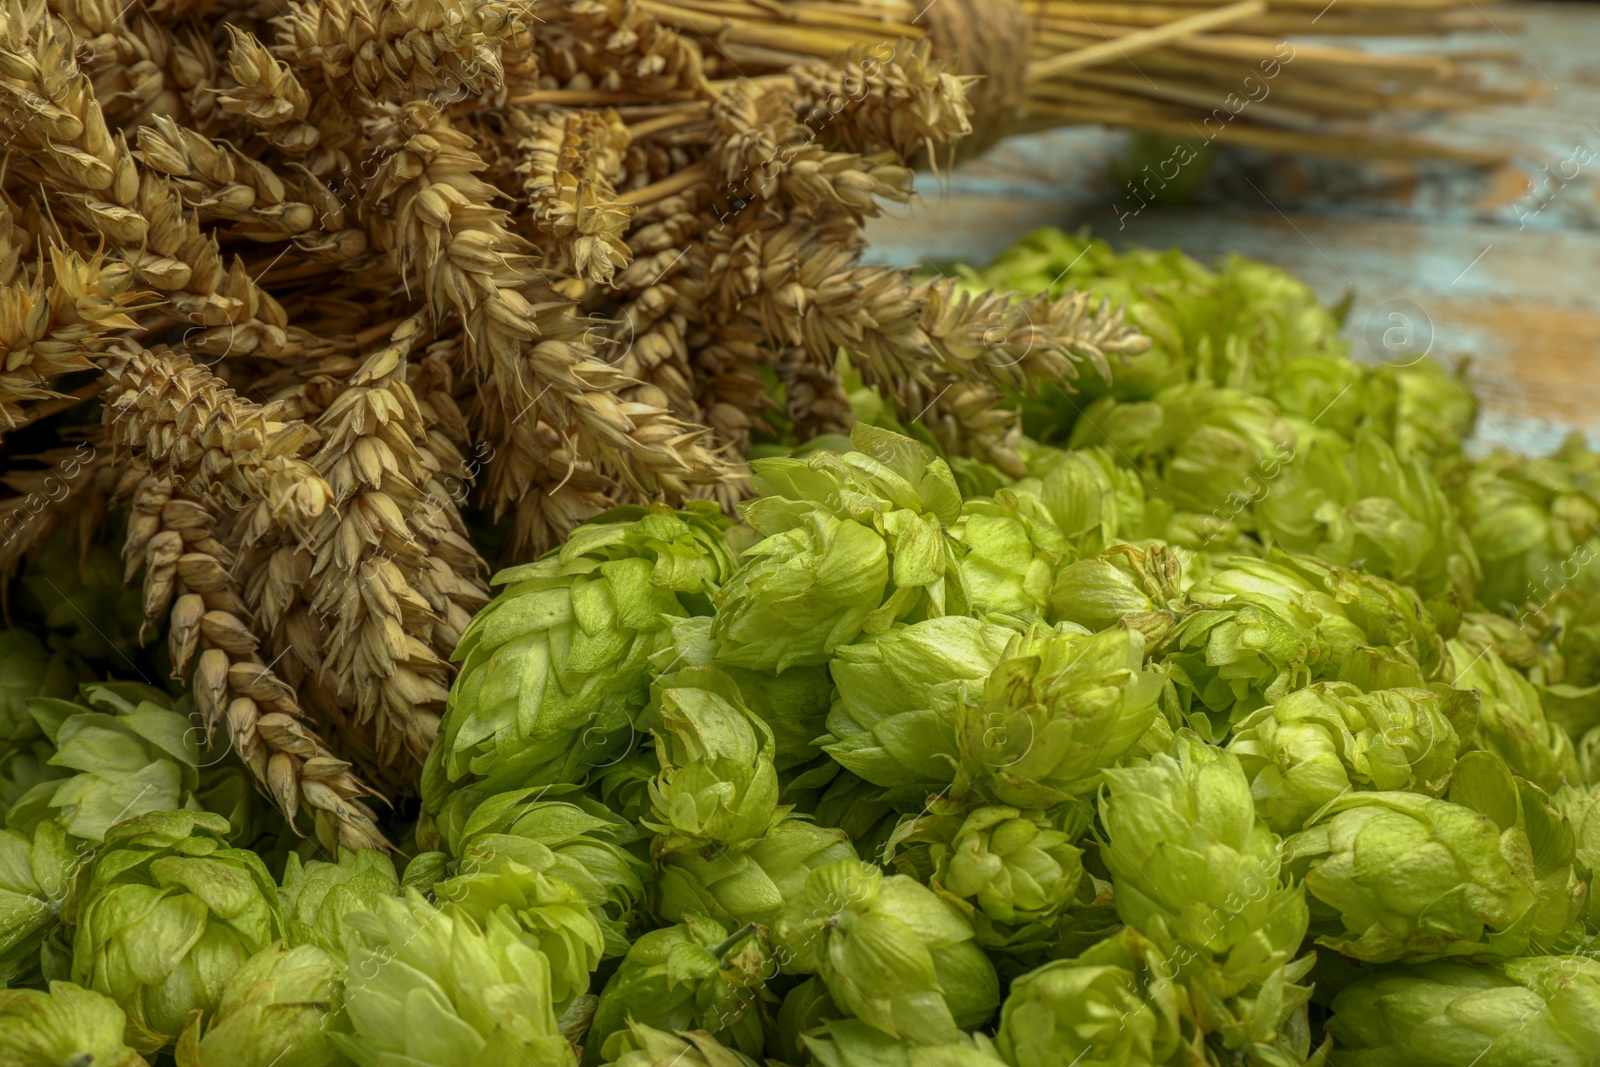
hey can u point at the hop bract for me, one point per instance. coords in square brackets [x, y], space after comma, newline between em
[1195, 872]
[1016, 870]
[645, 1046]
[900, 695]
[579, 844]
[36, 878]
[67, 1025]
[692, 976]
[127, 751]
[317, 895]
[280, 1008]
[751, 886]
[852, 1043]
[718, 784]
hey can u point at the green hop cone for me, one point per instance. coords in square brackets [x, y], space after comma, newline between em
[1260, 629]
[127, 751]
[1014, 871]
[641, 1045]
[1532, 522]
[318, 895]
[1511, 721]
[899, 696]
[751, 886]
[1536, 1010]
[428, 987]
[1057, 710]
[36, 878]
[1196, 873]
[851, 543]
[693, 976]
[1247, 636]
[852, 1043]
[1112, 1006]
[1121, 583]
[1321, 742]
[718, 785]
[550, 912]
[579, 842]
[794, 705]
[1485, 873]
[1356, 500]
[169, 915]
[66, 1027]
[278, 1010]
[1013, 549]
[890, 951]
[555, 669]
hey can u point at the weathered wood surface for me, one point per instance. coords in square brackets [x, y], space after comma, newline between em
[1501, 266]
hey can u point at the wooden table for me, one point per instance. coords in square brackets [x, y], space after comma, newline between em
[1502, 266]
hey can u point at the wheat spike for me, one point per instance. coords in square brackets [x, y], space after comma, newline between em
[188, 575]
[443, 50]
[139, 213]
[181, 421]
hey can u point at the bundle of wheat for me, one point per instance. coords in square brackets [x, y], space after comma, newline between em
[329, 277]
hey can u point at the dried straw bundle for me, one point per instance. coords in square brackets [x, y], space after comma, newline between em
[1226, 72]
[338, 273]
